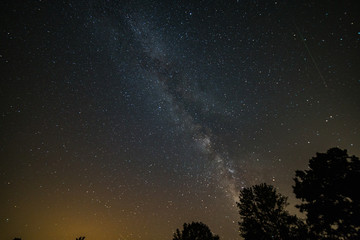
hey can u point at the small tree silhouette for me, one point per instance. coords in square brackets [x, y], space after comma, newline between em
[195, 231]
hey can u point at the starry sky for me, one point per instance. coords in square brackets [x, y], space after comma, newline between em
[125, 119]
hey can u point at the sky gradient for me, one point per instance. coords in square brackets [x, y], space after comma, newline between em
[125, 119]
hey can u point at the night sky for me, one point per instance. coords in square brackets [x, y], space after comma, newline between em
[125, 119]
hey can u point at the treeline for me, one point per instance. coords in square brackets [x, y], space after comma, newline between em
[328, 191]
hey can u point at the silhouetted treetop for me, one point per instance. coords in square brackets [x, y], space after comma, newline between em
[329, 194]
[263, 215]
[195, 231]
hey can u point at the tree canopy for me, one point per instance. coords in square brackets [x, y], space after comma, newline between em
[329, 194]
[195, 231]
[263, 215]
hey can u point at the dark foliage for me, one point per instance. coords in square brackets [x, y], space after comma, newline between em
[329, 194]
[195, 231]
[263, 215]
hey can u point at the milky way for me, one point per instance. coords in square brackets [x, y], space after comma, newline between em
[179, 96]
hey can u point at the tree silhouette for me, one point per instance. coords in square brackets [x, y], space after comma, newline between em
[263, 215]
[329, 194]
[195, 231]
